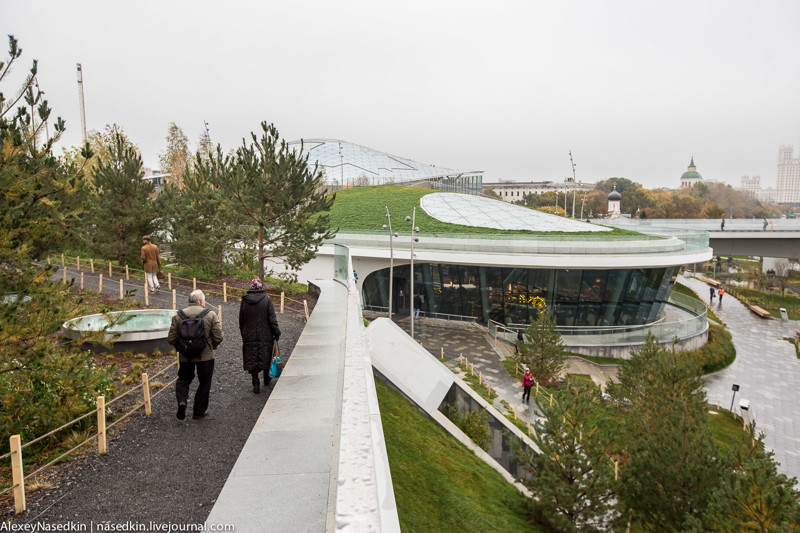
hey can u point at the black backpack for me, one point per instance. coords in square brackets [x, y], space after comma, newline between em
[192, 338]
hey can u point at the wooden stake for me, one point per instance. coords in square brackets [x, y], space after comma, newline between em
[219, 307]
[490, 389]
[174, 296]
[78, 262]
[127, 275]
[442, 353]
[282, 296]
[537, 388]
[48, 259]
[515, 412]
[472, 369]
[17, 477]
[460, 358]
[101, 424]
[551, 399]
[121, 292]
[109, 269]
[305, 306]
[169, 280]
[100, 286]
[146, 390]
[64, 270]
[81, 280]
[516, 368]
[616, 470]
[529, 428]
[717, 405]
[62, 260]
[91, 264]
[194, 284]
[480, 378]
[146, 292]
[225, 291]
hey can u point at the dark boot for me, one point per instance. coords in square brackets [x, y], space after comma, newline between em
[256, 384]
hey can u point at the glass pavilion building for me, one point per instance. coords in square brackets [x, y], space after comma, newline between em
[586, 274]
[347, 165]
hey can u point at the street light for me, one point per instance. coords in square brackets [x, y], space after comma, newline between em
[391, 257]
[414, 238]
[583, 202]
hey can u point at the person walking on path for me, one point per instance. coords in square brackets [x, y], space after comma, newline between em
[258, 326]
[417, 305]
[527, 383]
[151, 262]
[721, 294]
[722, 226]
[711, 294]
[765, 224]
[520, 340]
[204, 365]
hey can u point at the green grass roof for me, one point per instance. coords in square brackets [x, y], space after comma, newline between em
[364, 209]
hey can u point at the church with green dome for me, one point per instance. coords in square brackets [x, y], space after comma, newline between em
[691, 176]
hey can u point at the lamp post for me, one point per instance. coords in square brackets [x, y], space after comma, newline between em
[583, 202]
[391, 256]
[414, 238]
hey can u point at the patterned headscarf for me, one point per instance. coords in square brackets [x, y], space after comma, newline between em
[256, 284]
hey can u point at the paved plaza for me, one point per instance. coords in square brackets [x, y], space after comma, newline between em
[767, 372]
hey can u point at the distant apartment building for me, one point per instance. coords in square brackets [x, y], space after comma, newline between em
[751, 186]
[514, 191]
[788, 178]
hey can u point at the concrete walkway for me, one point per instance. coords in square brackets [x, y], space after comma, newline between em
[767, 372]
[470, 340]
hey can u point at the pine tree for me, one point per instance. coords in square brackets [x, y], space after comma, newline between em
[573, 477]
[42, 383]
[543, 350]
[753, 496]
[203, 231]
[272, 187]
[122, 209]
[673, 460]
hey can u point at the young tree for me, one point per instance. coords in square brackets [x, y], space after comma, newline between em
[204, 146]
[203, 231]
[176, 159]
[543, 350]
[573, 477]
[272, 187]
[122, 210]
[673, 464]
[753, 496]
[782, 273]
[42, 383]
[98, 150]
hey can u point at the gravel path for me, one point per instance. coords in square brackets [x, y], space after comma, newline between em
[160, 469]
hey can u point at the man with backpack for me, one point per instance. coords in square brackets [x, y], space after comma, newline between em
[195, 332]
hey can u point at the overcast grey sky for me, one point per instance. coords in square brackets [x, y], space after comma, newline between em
[633, 88]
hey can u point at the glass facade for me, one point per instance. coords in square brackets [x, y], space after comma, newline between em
[619, 297]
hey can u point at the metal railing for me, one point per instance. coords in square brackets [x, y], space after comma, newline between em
[663, 330]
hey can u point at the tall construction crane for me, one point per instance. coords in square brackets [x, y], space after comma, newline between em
[83, 106]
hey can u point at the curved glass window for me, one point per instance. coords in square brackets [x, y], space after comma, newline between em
[618, 297]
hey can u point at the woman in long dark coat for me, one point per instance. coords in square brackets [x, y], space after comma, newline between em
[259, 328]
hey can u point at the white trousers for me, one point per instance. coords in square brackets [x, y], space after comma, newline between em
[152, 281]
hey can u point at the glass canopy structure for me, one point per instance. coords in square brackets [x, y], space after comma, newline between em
[489, 213]
[351, 165]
